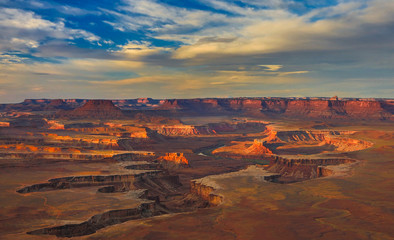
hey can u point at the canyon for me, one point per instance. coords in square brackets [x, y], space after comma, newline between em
[126, 169]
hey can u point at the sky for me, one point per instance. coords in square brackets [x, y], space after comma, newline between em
[195, 48]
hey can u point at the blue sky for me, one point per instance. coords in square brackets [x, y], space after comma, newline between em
[196, 48]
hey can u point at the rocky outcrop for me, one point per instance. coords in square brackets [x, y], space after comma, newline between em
[177, 158]
[94, 109]
[272, 135]
[205, 192]
[55, 125]
[347, 144]
[258, 148]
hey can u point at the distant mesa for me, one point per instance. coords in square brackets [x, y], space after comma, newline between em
[261, 107]
[57, 102]
[102, 109]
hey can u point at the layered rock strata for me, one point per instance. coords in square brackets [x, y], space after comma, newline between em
[300, 169]
[319, 108]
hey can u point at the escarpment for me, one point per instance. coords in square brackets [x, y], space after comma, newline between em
[299, 169]
[317, 108]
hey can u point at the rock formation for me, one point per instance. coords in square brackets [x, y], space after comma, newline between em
[177, 158]
[94, 109]
[272, 135]
[258, 148]
[205, 192]
[299, 169]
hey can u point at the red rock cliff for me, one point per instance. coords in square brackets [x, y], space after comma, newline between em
[319, 108]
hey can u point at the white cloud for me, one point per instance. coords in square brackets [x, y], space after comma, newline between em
[27, 29]
[160, 19]
[24, 42]
[340, 27]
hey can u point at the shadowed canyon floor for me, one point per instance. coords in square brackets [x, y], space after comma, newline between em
[95, 170]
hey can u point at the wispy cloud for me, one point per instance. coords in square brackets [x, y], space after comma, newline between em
[271, 67]
[290, 73]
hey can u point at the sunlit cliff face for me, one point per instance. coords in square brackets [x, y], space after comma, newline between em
[177, 158]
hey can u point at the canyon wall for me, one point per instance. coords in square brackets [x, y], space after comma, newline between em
[297, 169]
[319, 108]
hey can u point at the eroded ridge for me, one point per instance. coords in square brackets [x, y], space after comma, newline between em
[294, 170]
[281, 149]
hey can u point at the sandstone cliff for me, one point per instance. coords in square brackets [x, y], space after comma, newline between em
[258, 148]
[316, 108]
[288, 107]
[205, 192]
